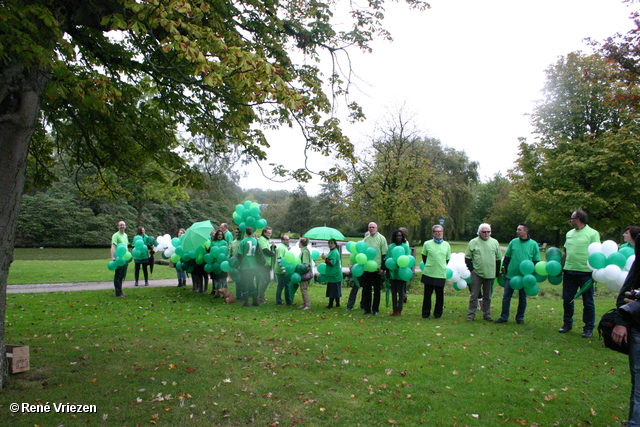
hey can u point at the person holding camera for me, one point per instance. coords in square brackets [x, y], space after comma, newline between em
[627, 329]
[576, 273]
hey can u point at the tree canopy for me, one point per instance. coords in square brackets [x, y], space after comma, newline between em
[113, 81]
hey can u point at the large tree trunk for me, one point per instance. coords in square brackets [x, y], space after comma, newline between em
[20, 93]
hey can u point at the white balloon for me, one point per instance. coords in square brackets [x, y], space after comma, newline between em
[455, 277]
[614, 287]
[630, 261]
[461, 284]
[598, 276]
[465, 273]
[612, 271]
[609, 247]
[595, 247]
[589, 265]
[621, 278]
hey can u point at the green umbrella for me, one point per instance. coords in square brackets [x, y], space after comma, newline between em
[324, 233]
[196, 235]
[584, 287]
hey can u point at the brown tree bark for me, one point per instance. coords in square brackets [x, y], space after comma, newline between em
[20, 95]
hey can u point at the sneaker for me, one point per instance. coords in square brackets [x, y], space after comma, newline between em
[488, 319]
[587, 334]
[375, 313]
[307, 308]
[565, 328]
[146, 283]
[501, 321]
[520, 322]
[135, 284]
[349, 309]
[366, 312]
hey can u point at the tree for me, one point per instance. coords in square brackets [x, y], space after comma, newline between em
[586, 151]
[328, 207]
[113, 80]
[299, 218]
[394, 184]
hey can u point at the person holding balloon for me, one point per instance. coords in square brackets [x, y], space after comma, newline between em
[182, 275]
[282, 278]
[119, 238]
[372, 280]
[268, 249]
[333, 273]
[576, 273]
[305, 258]
[522, 254]
[436, 253]
[143, 257]
[248, 266]
[218, 277]
[483, 258]
[397, 249]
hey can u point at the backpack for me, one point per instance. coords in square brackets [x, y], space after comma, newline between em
[605, 329]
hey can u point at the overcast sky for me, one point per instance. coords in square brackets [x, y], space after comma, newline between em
[468, 70]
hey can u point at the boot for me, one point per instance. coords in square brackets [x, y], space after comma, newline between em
[146, 283]
[399, 312]
[135, 284]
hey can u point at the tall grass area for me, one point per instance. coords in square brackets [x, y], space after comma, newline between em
[168, 356]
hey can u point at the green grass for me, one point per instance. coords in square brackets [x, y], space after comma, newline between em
[35, 266]
[167, 356]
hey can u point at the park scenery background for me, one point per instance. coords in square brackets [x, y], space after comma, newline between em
[168, 356]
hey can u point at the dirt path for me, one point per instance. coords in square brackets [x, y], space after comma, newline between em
[86, 286]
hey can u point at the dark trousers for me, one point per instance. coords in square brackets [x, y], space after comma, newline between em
[145, 273]
[426, 301]
[397, 293]
[249, 289]
[119, 275]
[371, 284]
[264, 277]
[353, 295]
[571, 283]
[506, 302]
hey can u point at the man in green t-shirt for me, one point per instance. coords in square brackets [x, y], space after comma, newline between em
[372, 281]
[248, 268]
[281, 275]
[522, 248]
[577, 273]
[483, 258]
[269, 251]
[121, 272]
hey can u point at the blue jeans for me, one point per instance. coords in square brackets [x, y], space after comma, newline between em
[283, 285]
[571, 283]
[634, 368]
[506, 302]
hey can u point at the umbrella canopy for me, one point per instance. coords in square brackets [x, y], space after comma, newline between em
[196, 235]
[584, 288]
[324, 233]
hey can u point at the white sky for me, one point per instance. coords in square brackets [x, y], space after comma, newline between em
[468, 70]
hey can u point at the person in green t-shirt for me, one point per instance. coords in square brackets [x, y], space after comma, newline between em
[219, 278]
[577, 273]
[436, 253]
[282, 278]
[248, 268]
[398, 285]
[268, 249]
[333, 273]
[372, 281]
[483, 258]
[121, 272]
[522, 248]
[629, 236]
[143, 259]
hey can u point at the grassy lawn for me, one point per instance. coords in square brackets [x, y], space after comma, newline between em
[170, 357]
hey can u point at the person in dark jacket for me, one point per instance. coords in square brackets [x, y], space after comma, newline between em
[628, 330]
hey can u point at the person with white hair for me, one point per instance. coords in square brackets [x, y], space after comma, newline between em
[483, 258]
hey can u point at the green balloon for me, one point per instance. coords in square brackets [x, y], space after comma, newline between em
[618, 259]
[554, 254]
[112, 265]
[555, 280]
[526, 267]
[390, 263]
[516, 283]
[361, 259]
[121, 249]
[532, 291]
[529, 281]
[449, 273]
[289, 257]
[296, 278]
[598, 260]
[405, 274]
[554, 268]
[626, 251]
[403, 261]
[371, 266]
[357, 270]
[541, 268]
[361, 246]
[322, 268]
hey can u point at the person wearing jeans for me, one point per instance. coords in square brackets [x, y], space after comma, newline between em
[522, 248]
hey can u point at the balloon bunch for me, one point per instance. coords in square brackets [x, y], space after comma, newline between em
[141, 246]
[362, 257]
[531, 274]
[122, 256]
[164, 245]
[248, 215]
[214, 258]
[457, 271]
[403, 263]
[294, 269]
[610, 265]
